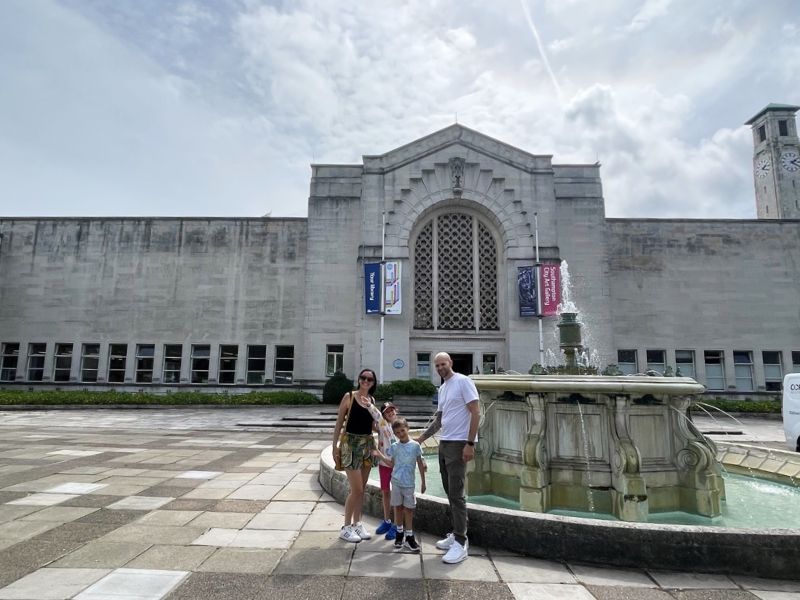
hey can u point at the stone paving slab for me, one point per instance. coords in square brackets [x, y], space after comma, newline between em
[242, 560]
[103, 554]
[266, 531]
[52, 584]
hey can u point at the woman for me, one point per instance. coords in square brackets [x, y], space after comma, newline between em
[355, 450]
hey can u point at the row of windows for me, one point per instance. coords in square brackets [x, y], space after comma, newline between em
[714, 363]
[783, 130]
[140, 367]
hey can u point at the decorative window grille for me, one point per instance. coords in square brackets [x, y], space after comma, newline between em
[487, 253]
[423, 278]
[455, 275]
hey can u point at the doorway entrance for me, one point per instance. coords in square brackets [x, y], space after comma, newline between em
[462, 363]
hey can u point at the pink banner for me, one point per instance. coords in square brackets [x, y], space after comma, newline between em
[550, 286]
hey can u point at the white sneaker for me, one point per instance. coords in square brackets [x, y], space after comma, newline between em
[456, 554]
[348, 534]
[361, 531]
[446, 543]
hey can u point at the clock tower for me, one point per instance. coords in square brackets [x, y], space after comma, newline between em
[776, 162]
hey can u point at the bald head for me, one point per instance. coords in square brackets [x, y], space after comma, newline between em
[443, 364]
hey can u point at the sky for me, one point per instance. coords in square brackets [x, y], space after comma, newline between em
[219, 107]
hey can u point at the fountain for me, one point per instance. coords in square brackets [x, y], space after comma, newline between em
[547, 440]
[620, 445]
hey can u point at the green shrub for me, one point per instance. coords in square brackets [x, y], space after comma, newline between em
[89, 398]
[404, 387]
[336, 387]
[745, 406]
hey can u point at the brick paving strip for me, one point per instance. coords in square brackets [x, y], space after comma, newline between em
[92, 511]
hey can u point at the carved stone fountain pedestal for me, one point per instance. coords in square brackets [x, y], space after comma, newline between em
[620, 445]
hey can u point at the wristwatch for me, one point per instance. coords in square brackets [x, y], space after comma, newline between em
[470, 443]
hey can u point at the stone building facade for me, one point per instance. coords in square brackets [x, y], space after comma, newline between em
[240, 303]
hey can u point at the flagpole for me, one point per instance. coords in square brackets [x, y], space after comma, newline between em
[538, 287]
[383, 292]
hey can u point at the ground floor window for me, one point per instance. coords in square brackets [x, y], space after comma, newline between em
[773, 370]
[423, 365]
[144, 363]
[172, 363]
[284, 364]
[63, 362]
[90, 362]
[201, 362]
[715, 369]
[334, 359]
[656, 360]
[228, 355]
[117, 361]
[9, 355]
[626, 361]
[36, 354]
[684, 363]
[256, 364]
[743, 369]
[489, 364]
[795, 361]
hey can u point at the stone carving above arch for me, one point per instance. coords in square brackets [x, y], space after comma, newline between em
[489, 208]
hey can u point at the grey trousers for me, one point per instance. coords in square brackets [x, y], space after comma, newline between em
[454, 471]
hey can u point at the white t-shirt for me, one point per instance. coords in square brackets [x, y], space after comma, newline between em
[454, 395]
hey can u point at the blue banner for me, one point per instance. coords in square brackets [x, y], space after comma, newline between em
[526, 284]
[372, 288]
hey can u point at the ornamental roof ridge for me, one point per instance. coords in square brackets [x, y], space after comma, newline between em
[452, 135]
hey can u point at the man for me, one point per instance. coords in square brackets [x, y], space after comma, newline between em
[457, 418]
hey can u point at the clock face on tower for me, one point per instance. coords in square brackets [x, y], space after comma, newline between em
[790, 161]
[762, 167]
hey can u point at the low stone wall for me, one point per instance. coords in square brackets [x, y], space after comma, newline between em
[769, 553]
[780, 466]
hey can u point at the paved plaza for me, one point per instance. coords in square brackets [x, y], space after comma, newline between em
[200, 503]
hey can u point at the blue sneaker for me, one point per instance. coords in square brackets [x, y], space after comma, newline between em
[384, 527]
[392, 532]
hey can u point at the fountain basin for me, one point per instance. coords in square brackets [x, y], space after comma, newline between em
[774, 553]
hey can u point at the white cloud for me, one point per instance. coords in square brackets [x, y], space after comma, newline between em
[649, 11]
[218, 108]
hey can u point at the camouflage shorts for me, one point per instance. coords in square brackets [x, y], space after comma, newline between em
[356, 451]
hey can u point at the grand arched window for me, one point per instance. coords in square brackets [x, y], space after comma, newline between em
[455, 274]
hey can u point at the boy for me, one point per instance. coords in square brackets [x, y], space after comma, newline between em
[402, 455]
[385, 440]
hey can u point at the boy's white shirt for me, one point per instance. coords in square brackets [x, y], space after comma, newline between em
[385, 438]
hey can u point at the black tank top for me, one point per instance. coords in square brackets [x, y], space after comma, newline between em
[360, 420]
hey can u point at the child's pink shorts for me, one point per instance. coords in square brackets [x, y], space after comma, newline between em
[386, 476]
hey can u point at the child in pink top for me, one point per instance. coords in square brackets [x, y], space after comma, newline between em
[385, 439]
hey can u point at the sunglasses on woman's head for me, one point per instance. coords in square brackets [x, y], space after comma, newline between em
[365, 378]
